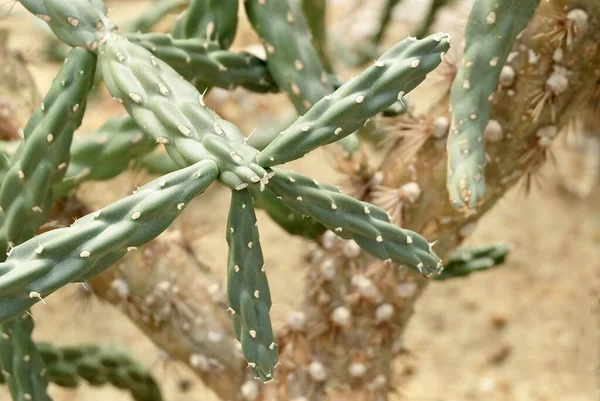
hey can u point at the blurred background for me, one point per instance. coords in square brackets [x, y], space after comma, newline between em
[527, 331]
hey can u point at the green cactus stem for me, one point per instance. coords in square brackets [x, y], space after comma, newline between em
[209, 19]
[315, 12]
[465, 261]
[22, 367]
[286, 217]
[491, 30]
[396, 73]
[247, 288]
[291, 57]
[75, 22]
[171, 110]
[153, 15]
[98, 366]
[41, 265]
[118, 141]
[203, 62]
[368, 225]
[42, 158]
[158, 163]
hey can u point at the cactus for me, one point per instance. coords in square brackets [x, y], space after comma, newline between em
[41, 160]
[96, 365]
[22, 365]
[118, 140]
[38, 267]
[248, 289]
[291, 58]
[315, 12]
[171, 111]
[358, 295]
[466, 261]
[144, 22]
[209, 19]
[204, 63]
[491, 30]
[396, 73]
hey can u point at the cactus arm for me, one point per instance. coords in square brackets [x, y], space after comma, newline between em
[41, 160]
[20, 361]
[118, 140]
[171, 110]
[491, 30]
[291, 57]
[286, 217]
[156, 163]
[41, 265]
[98, 365]
[349, 218]
[397, 72]
[75, 22]
[247, 288]
[465, 261]
[152, 15]
[204, 62]
[316, 17]
[209, 19]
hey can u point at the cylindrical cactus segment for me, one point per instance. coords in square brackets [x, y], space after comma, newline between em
[209, 19]
[75, 22]
[491, 30]
[204, 62]
[334, 117]
[105, 153]
[42, 158]
[21, 365]
[43, 264]
[315, 12]
[291, 57]
[287, 218]
[248, 289]
[153, 15]
[171, 110]
[97, 366]
[363, 222]
[465, 261]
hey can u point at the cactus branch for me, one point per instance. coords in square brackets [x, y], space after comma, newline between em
[209, 19]
[491, 30]
[336, 116]
[41, 160]
[97, 365]
[22, 367]
[247, 288]
[349, 218]
[41, 265]
[204, 62]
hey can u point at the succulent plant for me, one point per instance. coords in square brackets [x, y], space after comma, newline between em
[511, 100]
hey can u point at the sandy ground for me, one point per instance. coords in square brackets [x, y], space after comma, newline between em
[527, 331]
